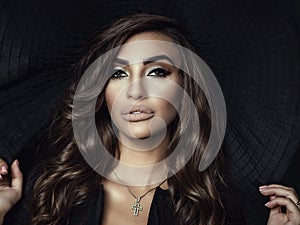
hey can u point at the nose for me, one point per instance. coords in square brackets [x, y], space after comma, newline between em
[136, 90]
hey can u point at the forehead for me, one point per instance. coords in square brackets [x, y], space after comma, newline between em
[147, 45]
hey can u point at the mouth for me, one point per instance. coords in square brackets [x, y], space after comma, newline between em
[137, 113]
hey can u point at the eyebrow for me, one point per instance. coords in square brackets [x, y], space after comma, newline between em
[147, 61]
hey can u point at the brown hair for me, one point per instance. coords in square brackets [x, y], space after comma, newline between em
[195, 195]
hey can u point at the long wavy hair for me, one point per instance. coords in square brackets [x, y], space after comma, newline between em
[67, 180]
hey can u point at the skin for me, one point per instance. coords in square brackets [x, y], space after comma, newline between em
[3, 168]
[136, 84]
[148, 85]
[116, 195]
[10, 193]
[281, 196]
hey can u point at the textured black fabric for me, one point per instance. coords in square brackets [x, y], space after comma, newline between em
[252, 46]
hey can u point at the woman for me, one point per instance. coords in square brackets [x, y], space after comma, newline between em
[137, 99]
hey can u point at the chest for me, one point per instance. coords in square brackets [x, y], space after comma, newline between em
[103, 208]
[122, 208]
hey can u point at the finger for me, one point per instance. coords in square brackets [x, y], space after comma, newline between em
[3, 167]
[16, 176]
[288, 203]
[275, 210]
[4, 182]
[275, 186]
[281, 192]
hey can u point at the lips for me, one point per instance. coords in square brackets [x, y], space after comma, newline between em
[137, 113]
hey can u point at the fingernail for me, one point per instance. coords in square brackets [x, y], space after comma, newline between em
[17, 162]
[0, 177]
[267, 203]
[263, 187]
[3, 170]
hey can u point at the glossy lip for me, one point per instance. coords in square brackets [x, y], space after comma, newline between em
[137, 113]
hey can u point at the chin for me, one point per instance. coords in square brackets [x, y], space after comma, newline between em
[141, 131]
[137, 133]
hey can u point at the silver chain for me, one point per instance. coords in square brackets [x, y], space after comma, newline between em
[132, 194]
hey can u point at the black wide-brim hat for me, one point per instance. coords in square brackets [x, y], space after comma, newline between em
[252, 47]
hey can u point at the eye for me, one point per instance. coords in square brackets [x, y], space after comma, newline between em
[119, 74]
[159, 72]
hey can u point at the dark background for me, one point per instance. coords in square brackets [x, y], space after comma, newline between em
[252, 46]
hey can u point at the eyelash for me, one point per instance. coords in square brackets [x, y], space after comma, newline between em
[118, 75]
[162, 72]
[159, 72]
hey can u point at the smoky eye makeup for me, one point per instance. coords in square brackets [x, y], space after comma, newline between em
[158, 71]
[118, 73]
[153, 69]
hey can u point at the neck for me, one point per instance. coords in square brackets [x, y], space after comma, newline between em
[138, 162]
[136, 152]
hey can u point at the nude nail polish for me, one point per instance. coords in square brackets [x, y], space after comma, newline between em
[4, 170]
[263, 187]
[267, 203]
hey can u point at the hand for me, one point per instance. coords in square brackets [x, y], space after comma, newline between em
[281, 196]
[10, 193]
[3, 169]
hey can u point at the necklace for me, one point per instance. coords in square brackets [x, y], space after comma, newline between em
[136, 207]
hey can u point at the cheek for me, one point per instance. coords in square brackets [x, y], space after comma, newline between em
[114, 94]
[166, 111]
[172, 112]
[172, 99]
[167, 89]
[110, 97]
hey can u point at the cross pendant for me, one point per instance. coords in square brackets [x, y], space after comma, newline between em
[136, 207]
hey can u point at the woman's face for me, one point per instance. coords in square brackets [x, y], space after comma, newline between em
[143, 84]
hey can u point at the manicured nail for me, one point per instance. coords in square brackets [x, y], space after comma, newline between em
[263, 187]
[267, 203]
[4, 170]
